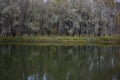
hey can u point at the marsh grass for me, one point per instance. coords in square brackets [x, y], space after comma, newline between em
[62, 40]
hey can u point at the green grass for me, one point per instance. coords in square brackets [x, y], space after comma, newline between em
[61, 40]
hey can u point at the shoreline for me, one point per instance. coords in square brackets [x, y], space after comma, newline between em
[106, 40]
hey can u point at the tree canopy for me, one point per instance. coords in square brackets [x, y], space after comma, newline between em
[59, 17]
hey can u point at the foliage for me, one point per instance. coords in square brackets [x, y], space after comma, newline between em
[59, 17]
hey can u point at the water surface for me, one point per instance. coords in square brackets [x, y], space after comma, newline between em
[20, 62]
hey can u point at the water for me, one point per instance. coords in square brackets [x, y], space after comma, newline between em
[18, 62]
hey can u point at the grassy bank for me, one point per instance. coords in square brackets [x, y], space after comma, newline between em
[61, 40]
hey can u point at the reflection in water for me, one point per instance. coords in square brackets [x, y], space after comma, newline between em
[59, 62]
[44, 77]
[33, 77]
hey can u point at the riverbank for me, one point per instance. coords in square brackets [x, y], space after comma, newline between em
[61, 40]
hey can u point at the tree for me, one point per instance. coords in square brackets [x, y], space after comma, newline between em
[59, 17]
[11, 17]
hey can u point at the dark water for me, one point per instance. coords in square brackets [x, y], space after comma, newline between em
[59, 62]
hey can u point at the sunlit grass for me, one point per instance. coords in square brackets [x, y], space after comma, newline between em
[62, 39]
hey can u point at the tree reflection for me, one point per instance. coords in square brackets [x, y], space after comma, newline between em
[59, 62]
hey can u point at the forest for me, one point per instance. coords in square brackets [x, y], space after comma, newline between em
[59, 39]
[59, 17]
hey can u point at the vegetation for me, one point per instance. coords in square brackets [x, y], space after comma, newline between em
[59, 17]
[66, 40]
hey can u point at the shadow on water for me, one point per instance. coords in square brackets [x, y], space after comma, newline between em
[59, 62]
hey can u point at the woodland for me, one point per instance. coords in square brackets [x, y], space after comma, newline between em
[59, 17]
